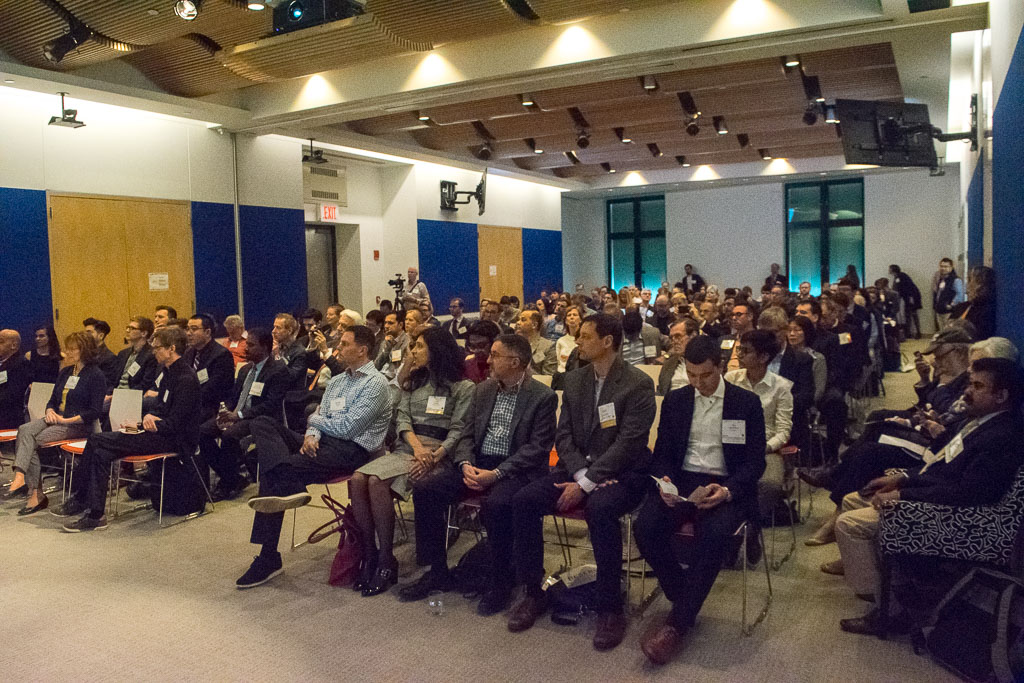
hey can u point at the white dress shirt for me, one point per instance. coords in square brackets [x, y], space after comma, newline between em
[679, 377]
[776, 394]
[704, 452]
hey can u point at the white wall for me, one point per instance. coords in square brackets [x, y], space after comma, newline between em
[1006, 17]
[584, 243]
[269, 172]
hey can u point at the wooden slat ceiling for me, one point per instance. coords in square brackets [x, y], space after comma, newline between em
[758, 99]
[244, 49]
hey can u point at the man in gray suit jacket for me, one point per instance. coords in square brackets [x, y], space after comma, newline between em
[673, 370]
[506, 444]
[607, 412]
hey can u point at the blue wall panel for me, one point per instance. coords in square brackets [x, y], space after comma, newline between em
[26, 299]
[1008, 199]
[213, 249]
[976, 218]
[542, 262]
[273, 262]
[449, 263]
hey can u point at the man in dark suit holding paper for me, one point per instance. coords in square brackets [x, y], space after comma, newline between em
[711, 435]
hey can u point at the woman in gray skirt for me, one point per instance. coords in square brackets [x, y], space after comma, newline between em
[431, 415]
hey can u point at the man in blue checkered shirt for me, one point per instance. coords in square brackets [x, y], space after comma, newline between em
[347, 428]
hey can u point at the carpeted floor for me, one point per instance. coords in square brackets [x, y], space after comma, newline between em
[135, 602]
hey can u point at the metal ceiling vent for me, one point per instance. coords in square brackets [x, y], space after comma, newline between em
[325, 183]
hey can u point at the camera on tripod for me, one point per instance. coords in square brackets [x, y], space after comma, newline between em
[398, 284]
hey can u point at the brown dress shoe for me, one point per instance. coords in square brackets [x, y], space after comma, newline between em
[527, 607]
[611, 629]
[835, 568]
[661, 643]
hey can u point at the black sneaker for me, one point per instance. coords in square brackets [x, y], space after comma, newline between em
[85, 523]
[137, 490]
[273, 504]
[495, 600]
[69, 508]
[425, 585]
[260, 571]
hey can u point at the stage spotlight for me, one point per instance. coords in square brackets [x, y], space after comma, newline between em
[810, 115]
[583, 139]
[682, 161]
[765, 154]
[743, 139]
[571, 156]
[607, 167]
[654, 149]
[187, 9]
[623, 138]
[650, 83]
[533, 145]
[720, 127]
[484, 152]
[56, 49]
[692, 129]
[830, 114]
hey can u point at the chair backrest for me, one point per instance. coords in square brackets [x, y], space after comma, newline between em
[653, 371]
[652, 436]
[543, 379]
[125, 406]
[38, 397]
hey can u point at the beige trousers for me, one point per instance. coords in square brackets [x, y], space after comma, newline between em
[856, 533]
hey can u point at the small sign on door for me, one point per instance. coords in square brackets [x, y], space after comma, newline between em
[493, 270]
[159, 282]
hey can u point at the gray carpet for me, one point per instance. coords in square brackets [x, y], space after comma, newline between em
[135, 602]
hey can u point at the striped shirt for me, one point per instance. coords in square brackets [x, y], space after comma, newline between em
[498, 439]
[356, 407]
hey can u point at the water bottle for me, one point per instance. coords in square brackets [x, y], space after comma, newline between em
[435, 603]
[223, 410]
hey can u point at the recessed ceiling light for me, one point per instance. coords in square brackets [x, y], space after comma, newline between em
[257, 6]
[791, 61]
[623, 138]
[527, 100]
[649, 83]
[720, 127]
[422, 117]
[153, 12]
[187, 9]
[765, 154]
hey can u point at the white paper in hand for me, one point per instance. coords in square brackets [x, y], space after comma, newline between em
[699, 495]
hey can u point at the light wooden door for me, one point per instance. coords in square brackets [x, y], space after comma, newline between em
[87, 263]
[500, 251]
[158, 236]
[102, 251]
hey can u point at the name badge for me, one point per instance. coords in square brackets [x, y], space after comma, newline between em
[159, 378]
[844, 338]
[203, 375]
[256, 389]
[233, 345]
[396, 356]
[134, 368]
[337, 404]
[955, 447]
[167, 396]
[606, 414]
[650, 351]
[72, 382]
[942, 284]
[734, 431]
[727, 344]
[435, 405]
[3, 377]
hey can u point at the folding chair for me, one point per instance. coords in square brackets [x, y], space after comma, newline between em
[687, 532]
[116, 478]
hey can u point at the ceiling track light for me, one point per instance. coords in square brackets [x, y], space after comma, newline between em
[743, 139]
[720, 127]
[654, 149]
[830, 114]
[527, 100]
[484, 152]
[810, 116]
[790, 62]
[422, 117]
[57, 49]
[533, 145]
[681, 160]
[254, 6]
[187, 9]
[812, 89]
[623, 138]
[649, 83]
[607, 167]
[692, 129]
[765, 154]
[571, 156]
[582, 139]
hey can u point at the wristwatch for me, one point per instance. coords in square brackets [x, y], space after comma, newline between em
[728, 494]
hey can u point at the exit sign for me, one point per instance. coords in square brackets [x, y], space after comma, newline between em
[329, 213]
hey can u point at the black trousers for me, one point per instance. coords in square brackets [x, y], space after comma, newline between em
[284, 471]
[602, 510]
[832, 407]
[101, 450]
[863, 462]
[434, 493]
[656, 523]
[225, 458]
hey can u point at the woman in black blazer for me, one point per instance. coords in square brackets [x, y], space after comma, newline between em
[75, 405]
[980, 307]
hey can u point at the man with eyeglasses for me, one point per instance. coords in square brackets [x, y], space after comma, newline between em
[742, 320]
[213, 364]
[172, 426]
[459, 324]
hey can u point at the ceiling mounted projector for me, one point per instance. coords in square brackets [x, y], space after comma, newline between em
[68, 117]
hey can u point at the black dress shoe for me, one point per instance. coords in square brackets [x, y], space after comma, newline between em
[32, 509]
[871, 624]
[385, 578]
[20, 492]
[425, 585]
[367, 569]
[495, 600]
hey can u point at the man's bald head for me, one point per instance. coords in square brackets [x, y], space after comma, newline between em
[10, 342]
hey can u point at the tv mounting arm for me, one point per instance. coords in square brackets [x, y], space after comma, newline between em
[450, 196]
[936, 133]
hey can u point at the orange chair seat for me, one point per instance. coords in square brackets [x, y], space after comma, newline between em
[8, 435]
[138, 459]
[74, 447]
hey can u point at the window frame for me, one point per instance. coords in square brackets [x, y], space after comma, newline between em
[824, 224]
[637, 235]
